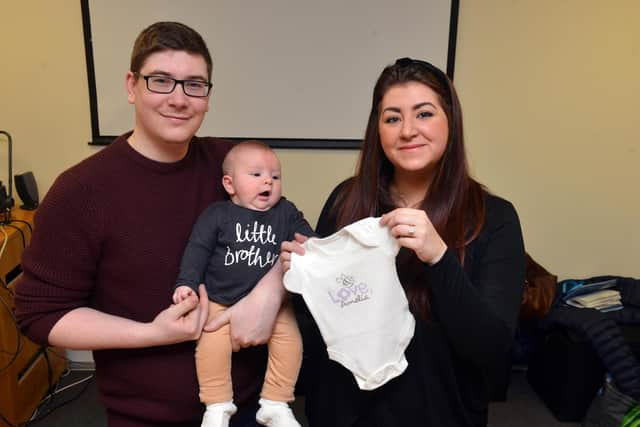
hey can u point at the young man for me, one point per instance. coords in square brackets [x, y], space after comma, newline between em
[108, 240]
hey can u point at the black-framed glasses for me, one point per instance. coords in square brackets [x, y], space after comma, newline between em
[164, 84]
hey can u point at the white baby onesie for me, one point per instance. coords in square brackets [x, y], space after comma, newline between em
[349, 283]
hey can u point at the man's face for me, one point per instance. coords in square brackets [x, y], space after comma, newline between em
[171, 118]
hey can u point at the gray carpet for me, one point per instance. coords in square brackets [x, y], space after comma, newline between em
[78, 406]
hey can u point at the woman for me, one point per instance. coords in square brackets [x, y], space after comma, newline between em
[461, 262]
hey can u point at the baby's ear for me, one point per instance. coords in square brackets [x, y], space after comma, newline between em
[227, 183]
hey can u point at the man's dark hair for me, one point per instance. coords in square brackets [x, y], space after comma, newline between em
[163, 36]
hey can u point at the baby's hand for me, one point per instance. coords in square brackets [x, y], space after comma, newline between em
[182, 293]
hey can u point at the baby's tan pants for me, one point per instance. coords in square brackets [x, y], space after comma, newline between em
[213, 359]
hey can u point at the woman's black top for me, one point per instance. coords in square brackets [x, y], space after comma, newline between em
[474, 309]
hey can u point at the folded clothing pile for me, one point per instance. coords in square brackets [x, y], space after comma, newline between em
[603, 295]
[604, 300]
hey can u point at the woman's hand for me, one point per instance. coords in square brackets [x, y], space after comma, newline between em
[288, 247]
[413, 230]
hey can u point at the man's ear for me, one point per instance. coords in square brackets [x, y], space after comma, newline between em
[227, 183]
[130, 81]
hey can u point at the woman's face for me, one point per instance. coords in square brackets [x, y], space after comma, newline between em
[413, 128]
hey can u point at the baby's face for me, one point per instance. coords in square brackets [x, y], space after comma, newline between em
[256, 179]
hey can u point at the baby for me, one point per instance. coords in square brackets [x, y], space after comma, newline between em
[232, 245]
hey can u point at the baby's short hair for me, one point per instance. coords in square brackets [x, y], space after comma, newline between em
[227, 163]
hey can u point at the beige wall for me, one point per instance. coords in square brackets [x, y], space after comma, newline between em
[548, 90]
[44, 101]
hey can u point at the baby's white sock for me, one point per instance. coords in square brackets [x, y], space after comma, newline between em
[218, 414]
[275, 414]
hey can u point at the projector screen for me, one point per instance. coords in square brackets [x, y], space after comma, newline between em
[294, 73]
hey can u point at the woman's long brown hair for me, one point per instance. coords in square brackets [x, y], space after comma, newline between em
[454, 201]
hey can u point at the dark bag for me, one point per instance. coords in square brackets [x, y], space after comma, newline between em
[539, 290]
[565, 372]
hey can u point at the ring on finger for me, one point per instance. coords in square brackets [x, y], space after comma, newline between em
[412, 230]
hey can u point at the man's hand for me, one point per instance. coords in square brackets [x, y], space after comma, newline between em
[252, 318]
[88, 329]
[182, 321]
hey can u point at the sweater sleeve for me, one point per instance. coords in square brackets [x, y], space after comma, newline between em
[61, 261]
[479, 312]
[297, 222]
[199, 249]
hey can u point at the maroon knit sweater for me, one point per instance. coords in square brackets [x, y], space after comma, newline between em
[110, 235]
